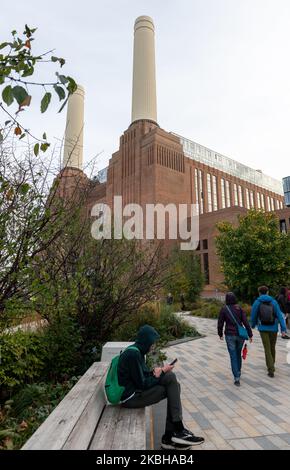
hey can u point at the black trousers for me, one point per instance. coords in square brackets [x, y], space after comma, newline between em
[169, 388]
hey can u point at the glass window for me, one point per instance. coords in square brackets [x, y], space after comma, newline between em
[263, 201]
[236, 195]
[214, 193]
[196, 185]
[209, 195]
[268, 203]
[228, 194]
[205, 244]
[201, 191]
[252, 204]
[223, 193]
[241, 203]
[247, 199]
[259, 200]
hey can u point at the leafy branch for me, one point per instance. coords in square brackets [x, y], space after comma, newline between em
[17, 63]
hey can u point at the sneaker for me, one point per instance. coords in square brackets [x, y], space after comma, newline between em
[237, 383]
[166, 443]
[271, 374]
[285, 337]
[187, 437]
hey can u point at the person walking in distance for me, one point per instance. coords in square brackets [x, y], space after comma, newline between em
[233, 315]
[267, 315]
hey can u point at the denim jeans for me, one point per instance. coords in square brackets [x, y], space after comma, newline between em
[235, 346]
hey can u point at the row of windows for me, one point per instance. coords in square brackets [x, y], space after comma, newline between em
[242, 198]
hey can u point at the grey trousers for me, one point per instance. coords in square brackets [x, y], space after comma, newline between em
[169, 388]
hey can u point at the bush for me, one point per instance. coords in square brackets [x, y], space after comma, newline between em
[62, 342]
[167, 323]
[22, 359]
[51, 353]
[210, 308]
[207, 308]
[24, 413]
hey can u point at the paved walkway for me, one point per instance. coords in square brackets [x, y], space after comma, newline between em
[254, 416]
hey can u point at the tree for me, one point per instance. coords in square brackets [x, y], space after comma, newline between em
[16, 64]
[185, 275]
[253, 253]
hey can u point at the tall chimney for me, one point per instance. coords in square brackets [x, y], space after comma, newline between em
[73, 143]
[144, 82]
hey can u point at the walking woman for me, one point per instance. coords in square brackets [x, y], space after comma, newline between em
[234, 318]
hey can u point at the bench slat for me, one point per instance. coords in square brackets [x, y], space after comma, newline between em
[120, 428]
[62, 424]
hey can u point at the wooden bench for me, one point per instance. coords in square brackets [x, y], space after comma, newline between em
[83, 420]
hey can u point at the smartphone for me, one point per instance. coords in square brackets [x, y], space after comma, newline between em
[173, 362]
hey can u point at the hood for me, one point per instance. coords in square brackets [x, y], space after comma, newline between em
[146, 336]
[265, 298]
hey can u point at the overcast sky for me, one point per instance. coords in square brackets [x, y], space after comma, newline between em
[223, 71]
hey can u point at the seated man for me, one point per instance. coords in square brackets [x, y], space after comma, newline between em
[144, 387]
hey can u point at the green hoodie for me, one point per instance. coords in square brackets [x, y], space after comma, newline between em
[133, 374]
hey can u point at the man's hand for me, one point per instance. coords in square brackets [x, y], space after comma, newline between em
[251, 339]
[157, 372]
[221, 338]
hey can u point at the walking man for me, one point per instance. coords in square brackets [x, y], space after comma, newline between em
[267, 315]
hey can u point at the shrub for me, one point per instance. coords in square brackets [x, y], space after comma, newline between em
[163, 319]
[62, 342]
[22, 359]
[207, 308]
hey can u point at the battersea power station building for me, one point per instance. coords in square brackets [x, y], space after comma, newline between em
[155, 166]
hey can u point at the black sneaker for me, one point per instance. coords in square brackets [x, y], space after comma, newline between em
[285, 337]
[187, 437]
[237, 383]
[166, 443]
[271, 374]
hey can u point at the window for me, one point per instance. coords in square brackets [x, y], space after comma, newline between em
[283, 226]
[263, 201]
[228, 194]
[201, 191]
[247, 199]
[196, 185]
[205, 244]
[223, 193]
[206, 267]
[268, 203]
[252, 205]
[272, 204]
[241, 203]
[259, 200]
[209, 195]
[214, 193]
[236, 198]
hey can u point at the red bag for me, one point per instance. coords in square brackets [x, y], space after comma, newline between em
[245, 352]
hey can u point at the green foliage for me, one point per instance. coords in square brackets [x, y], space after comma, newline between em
[22, 358]
[254, 253]
[62, 341]
[163, 319]
[207, 308]
[18, 62]
[28, 408]
[185, 275]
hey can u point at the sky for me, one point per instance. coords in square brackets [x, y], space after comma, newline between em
[222, 67]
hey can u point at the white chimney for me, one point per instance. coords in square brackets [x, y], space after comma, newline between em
[144, 82]
[73, 143]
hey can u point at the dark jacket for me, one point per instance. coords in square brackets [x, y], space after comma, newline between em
[282, 301]
[133, 374]
[231, 328]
